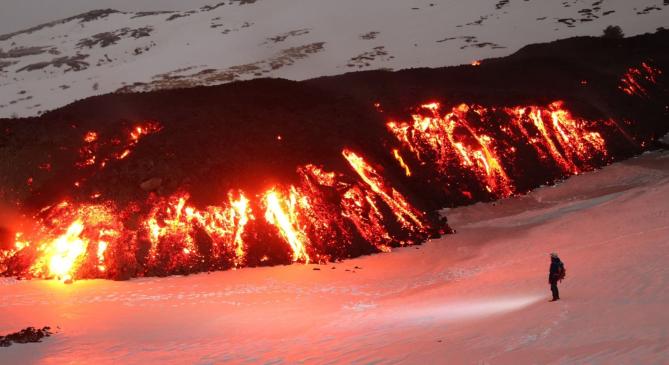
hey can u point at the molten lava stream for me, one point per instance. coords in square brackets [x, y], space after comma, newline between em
[406, 215]
[318, 219]
[638, 80]
[325, 216]
[177, 228]
[450, 141]
[98, 152]
[71, 238]
[480, 141]
[282, 213]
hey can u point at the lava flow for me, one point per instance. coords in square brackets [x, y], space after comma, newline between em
[482, 143]
[465, 150]
[95, 152]
[315, 220]
[638, 80]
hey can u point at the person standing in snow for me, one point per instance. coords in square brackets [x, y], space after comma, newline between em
[555, 274]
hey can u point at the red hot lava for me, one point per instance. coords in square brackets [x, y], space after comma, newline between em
[638, 80]
[323, 216]
[315, 221]
[96, 152]
[474, 140]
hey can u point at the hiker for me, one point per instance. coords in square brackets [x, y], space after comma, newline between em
[556, 273]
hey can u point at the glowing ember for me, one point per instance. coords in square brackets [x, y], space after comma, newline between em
[143, 130]
[98, 152]
[90, 137]
[124, 154]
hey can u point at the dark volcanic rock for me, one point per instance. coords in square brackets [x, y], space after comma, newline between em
[242, 2]
[26, 335]
[501, 4]
[293, 33]
[82, 18]
[23, 51]
[106, 39]
[74, 63]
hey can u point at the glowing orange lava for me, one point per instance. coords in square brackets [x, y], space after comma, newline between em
[90, 137]
[400, 160]
[563, 137]
[66, 250]
[282, 213]
[445, 139]
[638, 80]
[97, 152]
[173, 223]
[462, 139]
[406, 215]
[316, 218]
[81, 246]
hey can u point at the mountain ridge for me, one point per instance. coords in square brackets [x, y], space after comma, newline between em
[108, 50]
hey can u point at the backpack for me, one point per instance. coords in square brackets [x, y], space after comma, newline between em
[561, 272]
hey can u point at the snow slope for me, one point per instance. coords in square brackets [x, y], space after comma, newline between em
[104, 51]
[479, 296]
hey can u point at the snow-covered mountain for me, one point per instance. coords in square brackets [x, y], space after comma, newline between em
[105, 51]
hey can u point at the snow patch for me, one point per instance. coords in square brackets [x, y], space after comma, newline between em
[106, 51]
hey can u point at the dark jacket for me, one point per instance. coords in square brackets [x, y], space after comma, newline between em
[554, 272]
